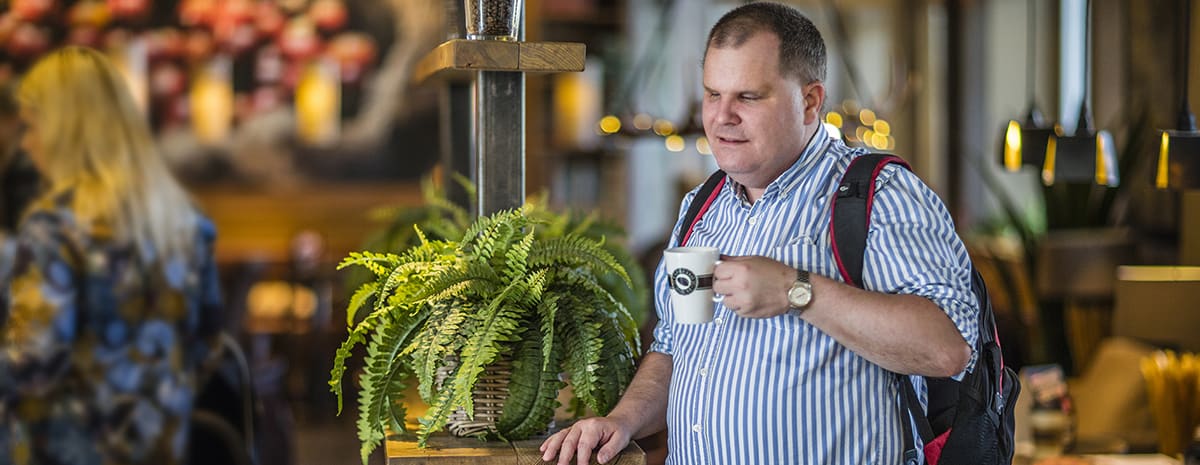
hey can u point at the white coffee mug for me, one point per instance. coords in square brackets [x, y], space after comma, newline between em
[690, 276]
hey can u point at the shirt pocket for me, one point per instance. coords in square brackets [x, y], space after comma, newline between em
[803, 252]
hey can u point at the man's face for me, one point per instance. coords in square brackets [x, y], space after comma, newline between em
[754, 117]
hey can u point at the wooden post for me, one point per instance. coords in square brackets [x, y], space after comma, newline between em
[498, 69]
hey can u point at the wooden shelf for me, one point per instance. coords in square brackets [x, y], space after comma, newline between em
[448, 450]
[458, 59]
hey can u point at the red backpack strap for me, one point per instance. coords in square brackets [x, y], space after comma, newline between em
[700, 203]
[851, 213]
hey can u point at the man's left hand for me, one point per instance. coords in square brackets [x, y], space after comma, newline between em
[753, 286]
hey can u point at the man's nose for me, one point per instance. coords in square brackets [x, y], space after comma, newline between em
[727, 112]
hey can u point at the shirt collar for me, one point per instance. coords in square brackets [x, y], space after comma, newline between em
[790, 177]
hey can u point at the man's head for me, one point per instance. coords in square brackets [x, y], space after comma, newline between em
[802, 50]
[763, 70]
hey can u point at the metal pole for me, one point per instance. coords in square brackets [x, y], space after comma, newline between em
[500, 140]
[458, 140]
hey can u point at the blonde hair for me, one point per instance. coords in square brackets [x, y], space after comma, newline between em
[96, 142]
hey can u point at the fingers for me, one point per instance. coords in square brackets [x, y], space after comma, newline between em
[611, 448]
[569, 446]
[551, 444]
[583, 452]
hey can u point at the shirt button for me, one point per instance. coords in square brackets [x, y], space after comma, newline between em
[696, 428]
[752, 220]
[718, 321]
[704, 372]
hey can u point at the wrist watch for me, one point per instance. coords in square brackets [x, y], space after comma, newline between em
[800, 294]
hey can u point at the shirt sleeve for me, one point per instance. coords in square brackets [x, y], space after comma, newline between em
[662, 297]
[912, 248]
[40, 328]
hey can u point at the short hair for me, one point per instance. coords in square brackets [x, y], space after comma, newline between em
[801, 48]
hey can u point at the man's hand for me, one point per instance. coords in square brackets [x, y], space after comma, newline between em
[753, 286]
[581, 438]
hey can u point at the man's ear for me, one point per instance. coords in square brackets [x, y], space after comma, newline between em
[814, 100]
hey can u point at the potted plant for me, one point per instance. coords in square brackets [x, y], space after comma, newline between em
[500, 307]
[440, 219]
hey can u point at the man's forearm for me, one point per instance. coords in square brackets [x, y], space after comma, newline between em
[643, 408]
[903, 333]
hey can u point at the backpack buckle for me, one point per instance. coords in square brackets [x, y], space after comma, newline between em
[850, 189]
[910, 457]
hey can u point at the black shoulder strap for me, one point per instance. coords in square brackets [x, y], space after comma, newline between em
[700, 203]
[851, 219]
[851, 212]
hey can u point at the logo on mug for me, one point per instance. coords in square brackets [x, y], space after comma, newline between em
[684, 282]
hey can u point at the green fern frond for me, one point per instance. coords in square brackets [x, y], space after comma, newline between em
[516, 259]
[616, 368]
[480, 225]
[439, 412]
[496, 323]
[533, 391]
[376, 262]
[370, 435]
[396, 409]
[547, 310]
[360, 297]
[586, 286]
[583, 350]
[574, 251]
[584, 225]
[421, 239]
[611, 307]
[457, 218]
[455, 282]
[357, 335]
[379, 378]
[443, 229]
[534, 287]
[428, 352]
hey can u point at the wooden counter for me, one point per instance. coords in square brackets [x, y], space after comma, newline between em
[259, 224]
[448, 450]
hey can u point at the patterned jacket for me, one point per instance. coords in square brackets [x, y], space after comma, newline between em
[98, 352]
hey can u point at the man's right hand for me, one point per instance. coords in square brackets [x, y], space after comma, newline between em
[584, 436]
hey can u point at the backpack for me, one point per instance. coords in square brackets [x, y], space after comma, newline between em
[968, 421]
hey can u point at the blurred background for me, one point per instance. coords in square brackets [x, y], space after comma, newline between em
[299, 127]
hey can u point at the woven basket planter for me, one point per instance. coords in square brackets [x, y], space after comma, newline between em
[490, 392]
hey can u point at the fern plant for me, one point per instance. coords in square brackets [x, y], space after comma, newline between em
[440, 219]
[499, 290]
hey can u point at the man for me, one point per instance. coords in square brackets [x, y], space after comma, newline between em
[774, 381]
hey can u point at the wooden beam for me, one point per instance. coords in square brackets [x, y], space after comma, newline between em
[457, 59]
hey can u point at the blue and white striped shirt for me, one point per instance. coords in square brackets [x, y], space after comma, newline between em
[779, 390]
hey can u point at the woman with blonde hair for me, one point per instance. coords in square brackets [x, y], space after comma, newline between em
[108, 291]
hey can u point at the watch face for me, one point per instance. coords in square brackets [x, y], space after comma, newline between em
[800, 295]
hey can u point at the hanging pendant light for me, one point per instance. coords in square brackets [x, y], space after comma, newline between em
[1088, 155]
[1179, 151]
[1023, 143]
